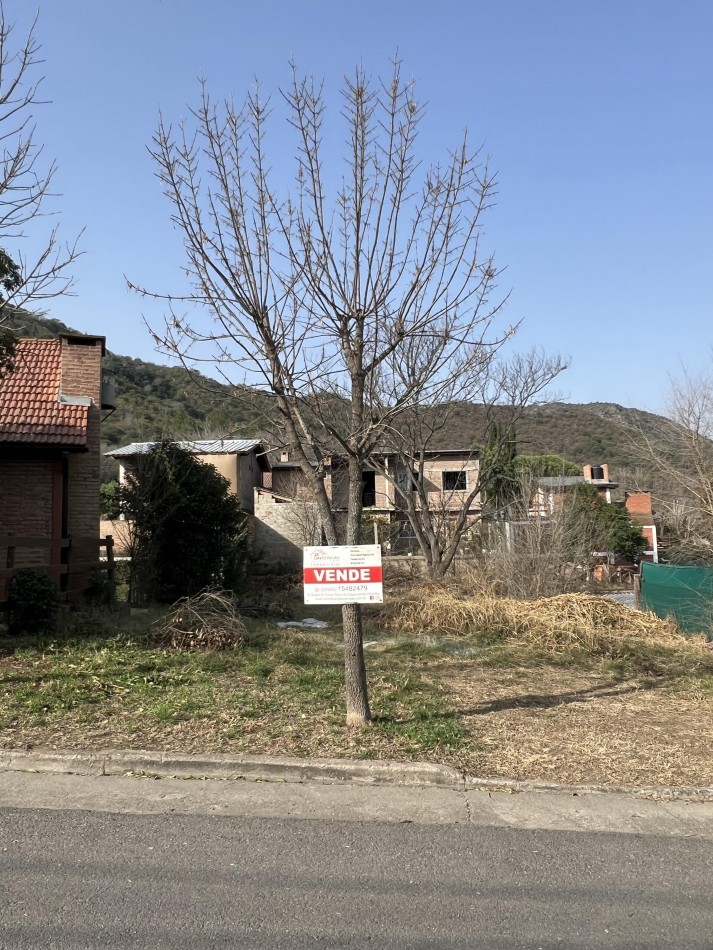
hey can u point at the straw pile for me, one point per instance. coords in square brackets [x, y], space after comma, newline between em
[568, 621]
[206, 621]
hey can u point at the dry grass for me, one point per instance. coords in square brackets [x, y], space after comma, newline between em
[206, 621]
[555, 624]
[551, 690]
[567, 725]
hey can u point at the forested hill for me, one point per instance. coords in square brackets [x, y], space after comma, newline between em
[155, 400]
[578, 432]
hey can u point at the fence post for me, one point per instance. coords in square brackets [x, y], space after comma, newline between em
[110, 559]
[68, 562]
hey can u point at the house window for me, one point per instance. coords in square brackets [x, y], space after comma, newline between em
[455, 481]
[368, 494]
[404, 482]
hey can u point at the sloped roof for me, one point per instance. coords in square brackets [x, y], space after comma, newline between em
[201, 447]
[31, 412]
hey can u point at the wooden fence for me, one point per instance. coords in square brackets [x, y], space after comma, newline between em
[74, 560]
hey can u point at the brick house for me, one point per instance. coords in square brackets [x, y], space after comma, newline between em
[50, 408]
[638, 504]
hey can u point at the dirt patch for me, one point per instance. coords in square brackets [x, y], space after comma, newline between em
[576, 727]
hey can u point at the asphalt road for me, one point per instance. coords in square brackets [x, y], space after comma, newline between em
[83, 879]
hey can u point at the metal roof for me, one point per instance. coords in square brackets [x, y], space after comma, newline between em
[202, 447]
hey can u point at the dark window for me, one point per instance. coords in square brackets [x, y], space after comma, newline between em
[368, 493]
[455, 481]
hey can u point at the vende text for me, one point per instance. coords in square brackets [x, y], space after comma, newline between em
[341, 575]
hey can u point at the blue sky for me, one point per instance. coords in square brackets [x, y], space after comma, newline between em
[595, 115]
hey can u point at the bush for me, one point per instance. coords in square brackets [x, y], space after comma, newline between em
[110, 495]
[32, 602]
[122, 580]
[101, 591]
[188, 532]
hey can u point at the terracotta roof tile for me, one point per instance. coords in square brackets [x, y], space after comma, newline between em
[30, 410]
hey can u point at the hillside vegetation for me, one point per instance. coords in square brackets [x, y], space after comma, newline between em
[156, 400]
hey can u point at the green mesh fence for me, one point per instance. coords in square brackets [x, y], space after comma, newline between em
[685, 593]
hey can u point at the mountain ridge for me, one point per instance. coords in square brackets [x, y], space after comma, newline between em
[154, 400]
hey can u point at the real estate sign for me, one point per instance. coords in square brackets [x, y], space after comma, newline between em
[343, 574]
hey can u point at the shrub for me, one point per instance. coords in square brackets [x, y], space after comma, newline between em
[110, 496]
[122, 579]
[187, 530]
[101, 591]
[32, 602]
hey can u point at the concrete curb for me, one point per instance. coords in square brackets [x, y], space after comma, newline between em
[266, 768]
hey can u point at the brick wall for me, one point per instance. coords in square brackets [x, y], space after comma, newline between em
[638, 503]
[81, 367]
[81, 376]
[26, 512]
[83, 509]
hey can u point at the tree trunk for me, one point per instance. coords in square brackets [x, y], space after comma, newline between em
[358, 712]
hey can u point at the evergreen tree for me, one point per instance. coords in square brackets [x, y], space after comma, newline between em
[187, 529]
[499, 469]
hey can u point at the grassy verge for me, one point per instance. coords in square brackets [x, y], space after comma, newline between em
[476, 701]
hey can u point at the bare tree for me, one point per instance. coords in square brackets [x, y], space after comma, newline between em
[677, 452]
[538, 552]
[26, 184]
[440, 519]
[355, 297]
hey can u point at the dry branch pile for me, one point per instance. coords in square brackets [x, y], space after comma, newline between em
[206, 621]
[568, 621]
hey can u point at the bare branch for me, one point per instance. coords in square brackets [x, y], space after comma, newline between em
[26, 182]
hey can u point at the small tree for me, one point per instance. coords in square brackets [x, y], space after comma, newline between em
[546, 466]
[187, 530]
[110, 499]
[499, 460]
[440, 521]
[608, 527]
[356, 296]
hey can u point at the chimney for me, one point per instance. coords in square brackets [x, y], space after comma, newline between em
[284, 456]
[81, 367]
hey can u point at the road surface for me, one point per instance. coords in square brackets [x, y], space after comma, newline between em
[129, 863]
